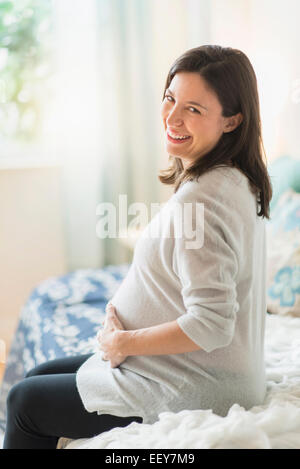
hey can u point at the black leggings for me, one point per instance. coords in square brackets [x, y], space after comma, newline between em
[46, 406]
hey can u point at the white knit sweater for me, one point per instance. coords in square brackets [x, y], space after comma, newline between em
[217, 294]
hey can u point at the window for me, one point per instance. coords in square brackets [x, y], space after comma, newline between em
[25, 68]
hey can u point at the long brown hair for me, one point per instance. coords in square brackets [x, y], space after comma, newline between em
[229, 73]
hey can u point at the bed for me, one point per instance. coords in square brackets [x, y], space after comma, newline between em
[63, 314]
[60, 318]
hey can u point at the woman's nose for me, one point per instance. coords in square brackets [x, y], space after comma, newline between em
[174, 117]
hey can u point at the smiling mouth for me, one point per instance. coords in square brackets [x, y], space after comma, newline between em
[179, 139]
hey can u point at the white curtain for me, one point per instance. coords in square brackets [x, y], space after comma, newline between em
[74, 128]
[140, 40]
[268, 32]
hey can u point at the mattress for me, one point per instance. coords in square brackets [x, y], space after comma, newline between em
[273, 425]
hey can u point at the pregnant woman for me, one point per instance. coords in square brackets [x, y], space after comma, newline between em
[185, 329]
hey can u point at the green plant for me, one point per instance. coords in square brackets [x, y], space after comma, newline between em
[25, 66]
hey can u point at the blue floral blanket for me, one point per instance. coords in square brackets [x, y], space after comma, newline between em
[60, 318]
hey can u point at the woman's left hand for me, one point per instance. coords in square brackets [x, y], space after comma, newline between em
[107, 337]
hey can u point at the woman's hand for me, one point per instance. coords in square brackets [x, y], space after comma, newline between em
[108, 337]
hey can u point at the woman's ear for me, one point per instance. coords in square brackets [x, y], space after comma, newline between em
[232, 122]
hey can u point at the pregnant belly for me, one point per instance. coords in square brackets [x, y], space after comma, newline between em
[138, 305]
[132, 304]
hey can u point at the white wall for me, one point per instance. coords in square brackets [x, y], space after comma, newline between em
[31, 235]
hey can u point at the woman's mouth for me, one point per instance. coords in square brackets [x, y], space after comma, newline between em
[178, 138]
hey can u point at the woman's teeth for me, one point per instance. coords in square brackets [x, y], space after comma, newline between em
[176, 137]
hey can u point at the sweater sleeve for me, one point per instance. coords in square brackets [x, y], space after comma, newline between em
[207, 275]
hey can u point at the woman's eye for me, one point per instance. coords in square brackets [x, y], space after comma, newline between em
[194, 110]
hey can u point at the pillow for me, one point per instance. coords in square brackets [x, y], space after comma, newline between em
[284, 174]
[283, 256]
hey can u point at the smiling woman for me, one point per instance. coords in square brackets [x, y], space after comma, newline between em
[185, 329]
[196, 129]
[225, 129]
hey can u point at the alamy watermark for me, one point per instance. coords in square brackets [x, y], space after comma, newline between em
[2, 351]
[183, 221]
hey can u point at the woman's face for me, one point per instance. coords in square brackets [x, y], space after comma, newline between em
[192, 118]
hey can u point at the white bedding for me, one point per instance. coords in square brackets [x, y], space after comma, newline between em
[275, 425]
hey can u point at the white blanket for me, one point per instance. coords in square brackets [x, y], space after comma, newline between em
[274, 425]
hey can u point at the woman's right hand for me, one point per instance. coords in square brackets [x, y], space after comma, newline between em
[107, 337]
